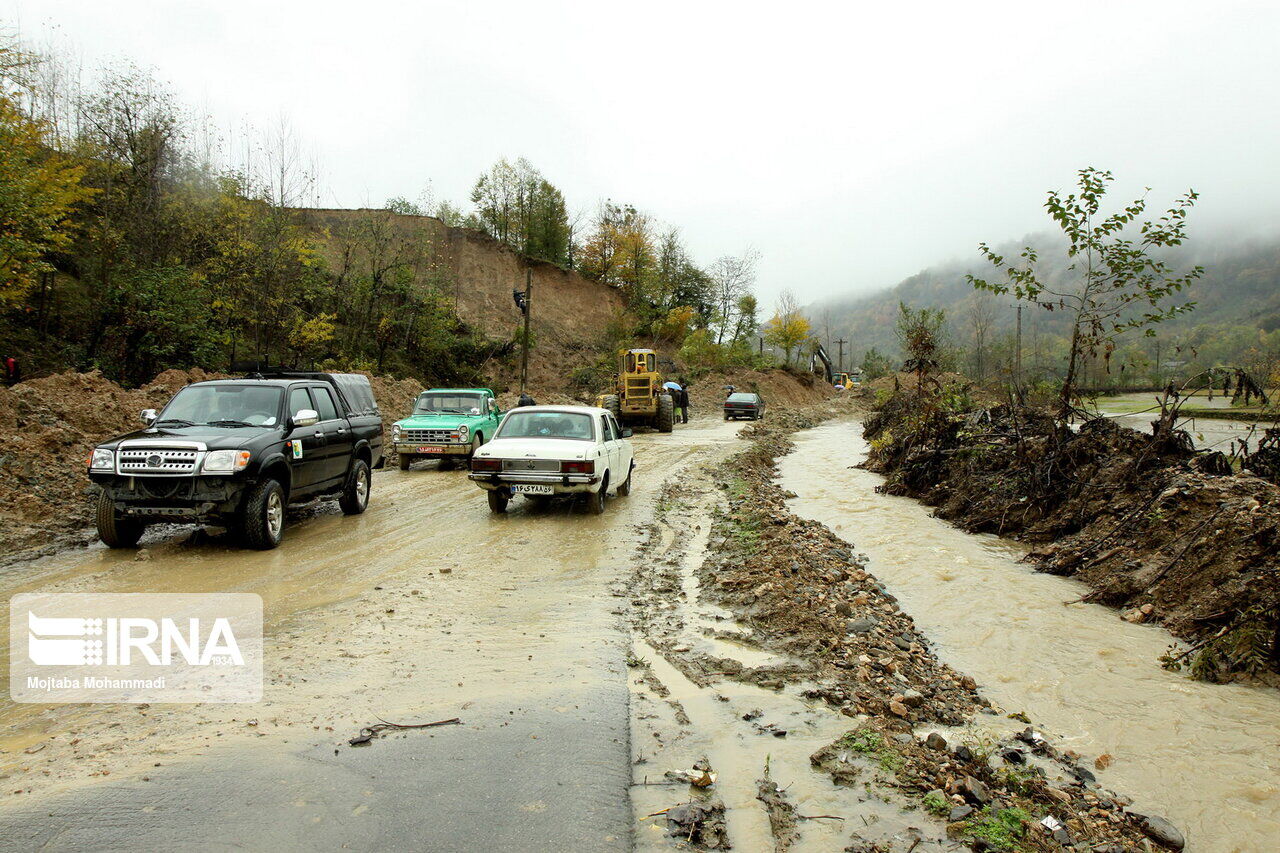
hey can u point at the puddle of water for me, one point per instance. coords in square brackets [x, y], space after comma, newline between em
[738, 754]
[1205, 756]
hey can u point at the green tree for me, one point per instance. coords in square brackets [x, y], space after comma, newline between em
[874, 365]
[1116, 282]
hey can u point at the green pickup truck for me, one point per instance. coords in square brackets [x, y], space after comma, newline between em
[446, 423]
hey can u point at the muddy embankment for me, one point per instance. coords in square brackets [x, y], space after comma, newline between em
[765, 600]
[1157, 529]
[49, 425]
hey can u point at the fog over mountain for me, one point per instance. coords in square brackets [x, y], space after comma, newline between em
[851, 145]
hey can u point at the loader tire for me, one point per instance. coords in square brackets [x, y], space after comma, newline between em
[666, 413]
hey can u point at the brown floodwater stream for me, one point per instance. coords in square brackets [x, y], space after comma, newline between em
[1205, 756]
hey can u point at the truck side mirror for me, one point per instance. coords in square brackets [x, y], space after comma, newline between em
[306, 418]
[148, 416]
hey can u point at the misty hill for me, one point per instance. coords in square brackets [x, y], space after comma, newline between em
[1240, 288]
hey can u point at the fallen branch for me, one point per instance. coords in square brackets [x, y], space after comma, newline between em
[368, 733]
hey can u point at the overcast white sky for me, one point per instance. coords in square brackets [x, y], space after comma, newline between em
[851, 143]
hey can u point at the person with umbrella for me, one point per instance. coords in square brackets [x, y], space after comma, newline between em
[673, 388]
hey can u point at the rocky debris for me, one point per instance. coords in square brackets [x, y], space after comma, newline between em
[1140, 518]
[699, 824]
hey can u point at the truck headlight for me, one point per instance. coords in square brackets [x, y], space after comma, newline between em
[225, 461]
[395, 432]
[102, 460]
[462, 432]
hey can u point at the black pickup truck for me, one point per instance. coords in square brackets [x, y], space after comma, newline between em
[237, 452]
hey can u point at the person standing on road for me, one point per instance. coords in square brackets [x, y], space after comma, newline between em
[525, 400]
[684, 401]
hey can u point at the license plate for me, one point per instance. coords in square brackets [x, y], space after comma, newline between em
[533, 490]
[431, 448]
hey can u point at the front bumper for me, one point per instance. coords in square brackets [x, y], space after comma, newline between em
[417, 449]
[562, 483]
[189, 498]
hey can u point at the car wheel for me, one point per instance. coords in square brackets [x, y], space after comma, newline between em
[262, 523]
[114, 531]
[405, 461]
[595, 500]
[355, 497]
[624, 488]
[498, 500]
[726, 417]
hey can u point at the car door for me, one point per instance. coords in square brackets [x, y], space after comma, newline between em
[338, 438]
[624, 450]
[305, 448]
[609, 445]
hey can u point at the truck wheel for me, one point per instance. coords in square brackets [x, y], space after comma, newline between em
[355, 497]
[262, 519]
[624, 488]
[498, 500]
[595, 500]
[613, 404]
[666, 413]
[446, 463]
[114, 531]
[476, 441]
[405, 461]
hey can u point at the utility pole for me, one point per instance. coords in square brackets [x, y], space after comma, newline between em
[528, 309]
[1017, 352]
[840, 342]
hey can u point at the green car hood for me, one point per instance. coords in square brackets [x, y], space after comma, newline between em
[440, 421]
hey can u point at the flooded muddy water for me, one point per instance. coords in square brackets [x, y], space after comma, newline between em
[1137, 411]
[1205, 756]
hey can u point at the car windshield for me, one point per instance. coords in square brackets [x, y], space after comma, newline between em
[742, 398]
[451, 404]
[224, 405]
[522, 424]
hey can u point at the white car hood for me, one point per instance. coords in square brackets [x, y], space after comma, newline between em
[538, 448]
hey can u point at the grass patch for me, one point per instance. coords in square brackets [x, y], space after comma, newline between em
[1003, 830]
[936, 804]
[872, 744]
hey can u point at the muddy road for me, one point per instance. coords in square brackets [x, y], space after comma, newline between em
[427, 607]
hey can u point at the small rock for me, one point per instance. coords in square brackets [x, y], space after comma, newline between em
[861, 625]
[1059, 795]
[904, 739]
[974, 791]
[1102, 762]
[142, 556]
[1160, 830]
[843, 608]
[936, 741]
[897, 708]
[1013, 756]
[963, 753]
[902, 643]
[959, 813]
[913, 698]
[446, 571]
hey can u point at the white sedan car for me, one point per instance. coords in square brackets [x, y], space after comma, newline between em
[544, 451]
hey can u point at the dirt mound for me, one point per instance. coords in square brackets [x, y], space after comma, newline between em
[1156, 528]
[49, 425]
[778, 387]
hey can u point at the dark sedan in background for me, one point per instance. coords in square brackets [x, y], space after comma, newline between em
[744, 405]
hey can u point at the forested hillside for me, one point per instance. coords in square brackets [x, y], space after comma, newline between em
[1235, 320]
[134, 240]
